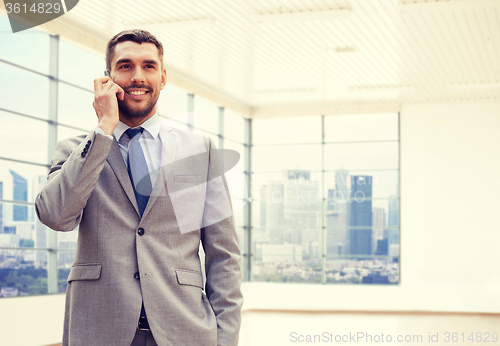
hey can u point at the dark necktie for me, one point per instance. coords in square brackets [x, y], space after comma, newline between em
[138, 169]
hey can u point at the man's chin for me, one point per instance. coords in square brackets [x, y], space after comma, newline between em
[129, 113]
[135, 110]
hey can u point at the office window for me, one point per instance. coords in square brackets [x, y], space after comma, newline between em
[207, 115]
[234, 126]
[79, 66]
[26, 265]
[325, 199]
[172, 103]
[75, 107]
[24, 92]
[29, 48]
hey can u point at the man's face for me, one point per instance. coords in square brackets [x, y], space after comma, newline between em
[138, 70]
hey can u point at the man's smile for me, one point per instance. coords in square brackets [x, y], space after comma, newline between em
[137, 94]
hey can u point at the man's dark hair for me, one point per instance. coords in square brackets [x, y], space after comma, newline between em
[135, 35]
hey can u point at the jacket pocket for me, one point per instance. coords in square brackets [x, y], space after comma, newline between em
[91, 271]
[189, 277]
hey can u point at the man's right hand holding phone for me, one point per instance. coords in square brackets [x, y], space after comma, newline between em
[106, 94]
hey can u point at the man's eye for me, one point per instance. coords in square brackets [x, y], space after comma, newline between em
[123, 66]
[150, 66]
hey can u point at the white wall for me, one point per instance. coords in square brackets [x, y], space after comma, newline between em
[450, 221]
[450, 233]
[31, 321]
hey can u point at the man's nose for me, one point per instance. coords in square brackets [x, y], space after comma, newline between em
[138, 76]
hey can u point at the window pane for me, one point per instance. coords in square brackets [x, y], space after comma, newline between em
[67, 240]
[362, 156]
[282, 201]
[240, 149]
[353, 271]
[20, 227]
[240, 232]
[65, 260]
[21, 182]
[21, 273]
[27, 93]
[79, 66]
[285, 263]
[363, 127]
[287, 130]
[173, 102]
[234, 126]
[286, 157]
[207, 114]
[239, 216]
[29, 48]
[64, 132]
[339, 237]
[180, 122]
[237, 183]
[383, 184]
[75, 107]
[26, 139]
[362, 227]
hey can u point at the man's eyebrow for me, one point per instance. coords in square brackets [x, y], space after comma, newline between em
[152, 62]
[122, 61]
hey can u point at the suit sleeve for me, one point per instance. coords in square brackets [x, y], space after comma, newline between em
[222, 259]
[72, 177]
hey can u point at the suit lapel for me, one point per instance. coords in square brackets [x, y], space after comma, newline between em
[115, 160]
[168, 146]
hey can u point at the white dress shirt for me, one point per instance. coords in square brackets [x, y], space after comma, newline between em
[150, 142]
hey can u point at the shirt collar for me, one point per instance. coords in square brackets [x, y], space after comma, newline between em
[152, 126]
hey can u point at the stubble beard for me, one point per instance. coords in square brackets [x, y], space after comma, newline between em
[134, 113]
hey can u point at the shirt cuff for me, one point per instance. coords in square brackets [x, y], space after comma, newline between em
[97, 129]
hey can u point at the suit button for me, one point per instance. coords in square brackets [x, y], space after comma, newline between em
[136, 275]
[87, 146]
[140, 231]
[84, 153]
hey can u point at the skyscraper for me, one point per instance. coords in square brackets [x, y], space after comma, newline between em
[336, 215]
[360, 221]
[302, 211]
[378, 225]
[20, 193]
[393, 220]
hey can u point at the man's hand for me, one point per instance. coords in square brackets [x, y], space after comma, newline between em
[105, 103]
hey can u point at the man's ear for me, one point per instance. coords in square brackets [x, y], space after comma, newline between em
[163, 79]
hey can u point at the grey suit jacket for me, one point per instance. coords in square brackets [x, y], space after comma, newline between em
[91, 188]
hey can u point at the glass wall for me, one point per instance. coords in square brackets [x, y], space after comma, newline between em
[45, 103]
[325, 199]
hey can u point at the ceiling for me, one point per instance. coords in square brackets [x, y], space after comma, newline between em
[300, 57]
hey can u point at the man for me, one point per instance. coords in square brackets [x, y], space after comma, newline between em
[136, 279]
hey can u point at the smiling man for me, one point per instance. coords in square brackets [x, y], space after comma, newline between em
[136, 279]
